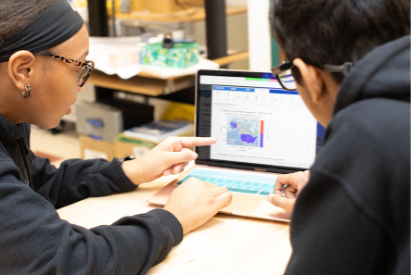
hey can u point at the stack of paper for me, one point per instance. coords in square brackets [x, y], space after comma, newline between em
[157, 131]
[102, 47]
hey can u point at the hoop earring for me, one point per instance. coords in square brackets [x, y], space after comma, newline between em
[26, 94]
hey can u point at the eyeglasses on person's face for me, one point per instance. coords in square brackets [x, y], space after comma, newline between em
[84, 74]
[283, 73]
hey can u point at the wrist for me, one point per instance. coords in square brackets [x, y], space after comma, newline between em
[132, 170]
[180, 218]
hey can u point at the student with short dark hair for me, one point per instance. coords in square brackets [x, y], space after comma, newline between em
[351, 63]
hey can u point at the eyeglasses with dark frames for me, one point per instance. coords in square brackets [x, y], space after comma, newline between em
[283, 73]
[84, 74]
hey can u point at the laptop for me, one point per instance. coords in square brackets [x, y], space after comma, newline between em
[262, 131]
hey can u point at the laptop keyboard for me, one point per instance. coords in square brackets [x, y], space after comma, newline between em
[247, 183]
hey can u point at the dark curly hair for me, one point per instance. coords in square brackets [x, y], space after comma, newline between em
[336, 31]
[15, 15]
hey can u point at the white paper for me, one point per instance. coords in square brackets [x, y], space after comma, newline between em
[165, 73]
[101, 47]
[139, 151]
[93, 154]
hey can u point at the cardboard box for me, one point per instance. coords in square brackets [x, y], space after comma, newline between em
[164, 6]
[108, 117]
[125, 147]
[92, 148]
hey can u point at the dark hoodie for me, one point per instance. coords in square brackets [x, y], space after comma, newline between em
[353, 217]
[34, 240]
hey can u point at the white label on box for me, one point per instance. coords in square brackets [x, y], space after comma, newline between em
[93, 154]
[139, 151]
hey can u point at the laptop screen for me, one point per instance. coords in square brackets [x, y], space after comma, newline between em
[254, 120]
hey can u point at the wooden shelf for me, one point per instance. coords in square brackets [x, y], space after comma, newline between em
[146, 84]
[191, 15]
[232, 58]
[141, 85]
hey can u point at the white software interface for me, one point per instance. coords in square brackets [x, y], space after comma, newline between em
[255, 121]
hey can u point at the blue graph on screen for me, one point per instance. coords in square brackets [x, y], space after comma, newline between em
[243, 132]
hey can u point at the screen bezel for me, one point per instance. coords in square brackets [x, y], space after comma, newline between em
[234, 164]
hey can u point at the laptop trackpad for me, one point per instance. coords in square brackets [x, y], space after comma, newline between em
[242, 203]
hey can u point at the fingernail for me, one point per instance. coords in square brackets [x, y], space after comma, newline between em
[166, 173]
[194, 155]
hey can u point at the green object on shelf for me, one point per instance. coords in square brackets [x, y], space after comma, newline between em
[182, 55]
[137, 142]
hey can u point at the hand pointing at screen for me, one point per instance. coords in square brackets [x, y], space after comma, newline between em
[169, 157]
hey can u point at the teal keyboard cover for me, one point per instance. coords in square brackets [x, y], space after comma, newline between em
[247, 183]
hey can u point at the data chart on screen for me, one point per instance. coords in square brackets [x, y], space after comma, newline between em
[259, 122]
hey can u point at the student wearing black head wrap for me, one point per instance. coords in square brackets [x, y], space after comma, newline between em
[42, 68]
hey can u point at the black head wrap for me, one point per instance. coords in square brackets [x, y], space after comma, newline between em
[54, 26]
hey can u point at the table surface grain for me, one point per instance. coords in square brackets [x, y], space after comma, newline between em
[224, 245]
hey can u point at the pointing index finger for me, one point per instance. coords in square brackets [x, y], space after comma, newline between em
[196, 141]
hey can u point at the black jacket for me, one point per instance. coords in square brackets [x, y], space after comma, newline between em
[353, 217]
[34, 240]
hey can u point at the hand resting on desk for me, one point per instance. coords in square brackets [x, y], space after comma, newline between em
[295, 183]
[192, 203]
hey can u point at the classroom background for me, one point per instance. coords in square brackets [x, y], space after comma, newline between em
[142, 89]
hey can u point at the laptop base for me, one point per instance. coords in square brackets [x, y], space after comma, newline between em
[244, 205]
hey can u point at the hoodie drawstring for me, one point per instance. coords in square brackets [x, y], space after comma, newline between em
[26, 155]
[25, 149]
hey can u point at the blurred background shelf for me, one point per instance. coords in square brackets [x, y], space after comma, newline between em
[147, 84]
[216, 25]
[230, 59]
[190, 15]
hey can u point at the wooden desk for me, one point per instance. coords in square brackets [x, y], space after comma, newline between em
[224, 245]
[149, 85]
